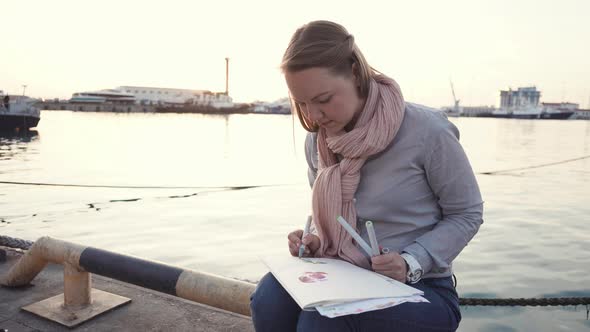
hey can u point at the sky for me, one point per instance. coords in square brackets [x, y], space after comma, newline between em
[60, 47]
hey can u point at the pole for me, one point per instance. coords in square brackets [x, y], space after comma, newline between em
[227, 76]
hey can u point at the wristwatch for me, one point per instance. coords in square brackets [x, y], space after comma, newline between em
[414, 269]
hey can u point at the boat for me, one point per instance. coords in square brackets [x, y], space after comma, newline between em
[559, 111]
[102, 96]
[523, 103]
[18, 112]
[558, 115]
[531, 112]
[515, 113]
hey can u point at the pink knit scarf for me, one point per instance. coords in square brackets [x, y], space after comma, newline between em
[336, 182]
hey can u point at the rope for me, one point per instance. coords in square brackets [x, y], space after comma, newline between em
[549, 301]
[253, 186]
[135, 187]
[10, 242]
[7, 241]
[534, 166]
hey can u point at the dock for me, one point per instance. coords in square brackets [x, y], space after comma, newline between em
[148, 310]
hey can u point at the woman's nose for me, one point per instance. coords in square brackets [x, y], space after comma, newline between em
[314, 113]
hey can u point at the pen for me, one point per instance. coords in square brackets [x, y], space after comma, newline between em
[355, 235]
[305, 232]
[372, 238]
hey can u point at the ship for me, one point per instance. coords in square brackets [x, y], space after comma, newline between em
[103, 96]
[18, 112]
[522, 103]
[530, 113]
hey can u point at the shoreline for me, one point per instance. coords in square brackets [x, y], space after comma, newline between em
[134, 108]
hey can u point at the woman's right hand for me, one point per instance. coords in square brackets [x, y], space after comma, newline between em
[311, 241]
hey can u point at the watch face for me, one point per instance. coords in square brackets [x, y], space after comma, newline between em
[414, 276]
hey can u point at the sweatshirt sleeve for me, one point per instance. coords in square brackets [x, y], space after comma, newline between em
[453, 182]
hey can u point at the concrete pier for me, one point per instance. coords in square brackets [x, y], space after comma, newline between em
[148, 311]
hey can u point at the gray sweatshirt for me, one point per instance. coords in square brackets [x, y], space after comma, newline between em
[420, 192]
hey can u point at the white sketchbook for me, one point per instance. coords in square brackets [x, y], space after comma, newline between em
[358, 307]
[314, 282]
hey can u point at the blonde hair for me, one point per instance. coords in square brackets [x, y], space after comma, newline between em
[327, 45]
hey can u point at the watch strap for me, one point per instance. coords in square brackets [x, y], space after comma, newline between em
[414, 268]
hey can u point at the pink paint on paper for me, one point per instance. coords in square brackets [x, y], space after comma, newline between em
[310, 277]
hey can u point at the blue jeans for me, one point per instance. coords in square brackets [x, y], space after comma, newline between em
[273, 309]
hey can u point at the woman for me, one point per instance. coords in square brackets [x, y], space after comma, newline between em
[372, 156]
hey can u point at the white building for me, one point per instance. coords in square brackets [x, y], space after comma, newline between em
[167, 96]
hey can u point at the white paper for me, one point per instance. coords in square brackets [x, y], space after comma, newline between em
[312, 282]
[358, 307]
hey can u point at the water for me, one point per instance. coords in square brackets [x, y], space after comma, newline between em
[535, 240]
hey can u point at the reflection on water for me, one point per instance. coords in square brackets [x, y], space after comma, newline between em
[14, 143]
[535, 240]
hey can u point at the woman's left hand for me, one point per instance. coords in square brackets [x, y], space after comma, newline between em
[392, 265]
